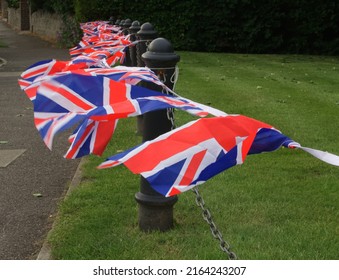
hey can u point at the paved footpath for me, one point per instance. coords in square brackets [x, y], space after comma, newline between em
[33, 179]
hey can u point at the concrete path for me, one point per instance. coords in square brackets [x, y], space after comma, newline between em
[33, 179]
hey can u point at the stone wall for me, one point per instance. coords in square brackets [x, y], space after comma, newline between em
[19, 18]
[14, 18]
[45, 25]
[42, 24]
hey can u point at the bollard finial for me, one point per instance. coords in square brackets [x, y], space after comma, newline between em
[160, 53]
[127, 23]
[147, 31]
[135, 27]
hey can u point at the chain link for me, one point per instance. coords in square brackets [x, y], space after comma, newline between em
[170, 116]
[170, 111]
[206, 214]
[224, 246]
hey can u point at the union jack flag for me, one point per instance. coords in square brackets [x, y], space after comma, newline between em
[190, 155]
[84, 62]
[65, 100]
[82, 65]
[32, 77]
[40, 69]
[91, 137]
[99, 42]
[34, 74]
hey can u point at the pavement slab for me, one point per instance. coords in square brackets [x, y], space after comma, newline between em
[8, 156]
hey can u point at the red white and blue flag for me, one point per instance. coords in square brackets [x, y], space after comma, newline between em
[63, 101]
[91, 137]
[30, 78]
[86, 66]
[190, 155]
[87, 93]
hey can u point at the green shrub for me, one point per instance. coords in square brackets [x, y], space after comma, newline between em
[70, 33]
[13, 3]
[247, 26]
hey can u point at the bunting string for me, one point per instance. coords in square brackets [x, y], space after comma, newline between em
[92, 91]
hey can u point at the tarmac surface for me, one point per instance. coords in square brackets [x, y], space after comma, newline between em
[33, 179]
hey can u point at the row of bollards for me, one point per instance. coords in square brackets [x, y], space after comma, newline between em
[155, 210]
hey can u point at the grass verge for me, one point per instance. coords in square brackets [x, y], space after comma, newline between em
[280, 205]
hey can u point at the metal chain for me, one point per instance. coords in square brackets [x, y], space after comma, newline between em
[170, 111]
[170, 116]
[224, 246]
[206, 214]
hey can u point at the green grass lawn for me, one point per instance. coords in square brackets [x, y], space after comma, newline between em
[279, 205]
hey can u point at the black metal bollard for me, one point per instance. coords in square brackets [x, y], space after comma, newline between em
[126, 26]
[155, 210]
[134, 28]
[111, 20]
[121, 23]
[146, 34]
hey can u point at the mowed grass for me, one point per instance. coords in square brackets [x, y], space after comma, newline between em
[278, 205]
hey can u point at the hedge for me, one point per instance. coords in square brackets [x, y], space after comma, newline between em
[247, 26]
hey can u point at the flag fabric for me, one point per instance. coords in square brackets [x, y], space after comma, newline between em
[63, 101]
[30, 78]
[190, 155]
[102, 40]
[42, 68]
[100, 97]
[86, 66]
[91, 137]
[56, 81]
[87, 93]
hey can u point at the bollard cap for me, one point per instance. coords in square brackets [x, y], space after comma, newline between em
[160, 53]
[122, 22]
[147, 32]
[135, 27]
[127, 23]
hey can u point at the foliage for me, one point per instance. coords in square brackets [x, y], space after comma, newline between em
[45, 5]
[252, 26]
[70, 33]
[247, 26]
[63, 7]
[88, 10]
[13, 3]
